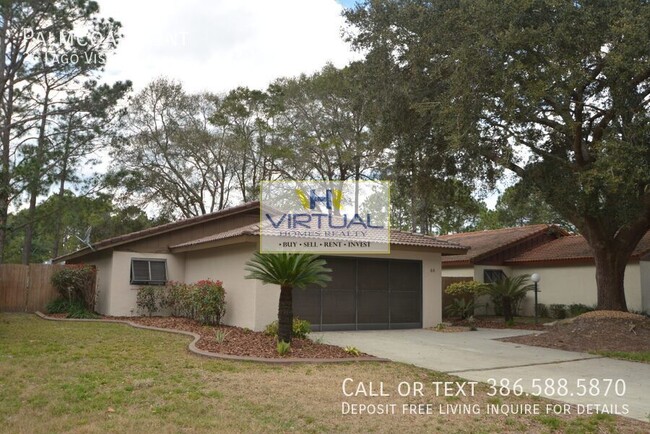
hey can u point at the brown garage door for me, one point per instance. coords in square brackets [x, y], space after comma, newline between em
[364, 294]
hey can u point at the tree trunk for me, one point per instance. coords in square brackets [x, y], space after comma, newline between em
[285, 314]
[61, 194]
[610, 273]
[507, 308]
[35, 181]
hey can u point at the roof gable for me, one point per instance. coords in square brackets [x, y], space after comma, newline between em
[495, 246]
[134, 237]
[572, 248]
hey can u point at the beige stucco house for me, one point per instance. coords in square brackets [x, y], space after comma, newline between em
[398, 290]
[563, 261]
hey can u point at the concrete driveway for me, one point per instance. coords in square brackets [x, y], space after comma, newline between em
[477, 356]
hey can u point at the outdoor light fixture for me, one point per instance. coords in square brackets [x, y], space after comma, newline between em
[535, 278]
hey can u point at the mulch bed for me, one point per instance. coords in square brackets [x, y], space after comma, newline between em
[594, 331]
[239, 341]
[497, 323]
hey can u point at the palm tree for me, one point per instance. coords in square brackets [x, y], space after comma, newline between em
[508, 291]
[289, 270]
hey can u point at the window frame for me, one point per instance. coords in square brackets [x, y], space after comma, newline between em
[502, 276]
[149, 281]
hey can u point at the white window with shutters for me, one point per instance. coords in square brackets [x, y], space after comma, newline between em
[148, 271]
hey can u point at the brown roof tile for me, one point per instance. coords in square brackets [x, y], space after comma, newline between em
[397, 238]
[484, 243]
[121, 239]
[570, 248]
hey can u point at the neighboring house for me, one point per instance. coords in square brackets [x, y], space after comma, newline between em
[563, 261]
[399, 290]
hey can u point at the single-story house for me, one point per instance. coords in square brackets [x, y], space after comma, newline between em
[398, 290]
[564, 262]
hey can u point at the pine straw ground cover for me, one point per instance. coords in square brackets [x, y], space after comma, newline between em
[615, 334]
[98, 377]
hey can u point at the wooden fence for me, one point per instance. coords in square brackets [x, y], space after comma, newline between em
[26, 288]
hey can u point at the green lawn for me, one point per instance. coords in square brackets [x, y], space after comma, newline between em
[94, 377]
[635, 356]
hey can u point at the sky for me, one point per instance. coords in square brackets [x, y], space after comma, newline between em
[217, 45]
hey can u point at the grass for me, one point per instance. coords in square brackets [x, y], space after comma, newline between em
[635, 356]
[94, 377]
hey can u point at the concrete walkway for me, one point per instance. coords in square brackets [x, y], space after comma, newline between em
[477, 356]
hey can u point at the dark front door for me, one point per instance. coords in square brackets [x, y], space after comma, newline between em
[364, 294]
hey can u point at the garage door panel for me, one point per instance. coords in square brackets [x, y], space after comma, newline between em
[364, 294]
[306, 304]
[372, 275]
[372, 307]
[405, 276]
[405, 307]
[343, 274]
[338, 307]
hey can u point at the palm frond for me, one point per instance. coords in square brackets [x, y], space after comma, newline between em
[288, 269]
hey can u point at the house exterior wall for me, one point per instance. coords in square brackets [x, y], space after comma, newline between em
[103, 265]
[122, 297]
[249, 303]
[458, 272]
[227, 264]
[576, 284]
[254, 305]
[564, 284]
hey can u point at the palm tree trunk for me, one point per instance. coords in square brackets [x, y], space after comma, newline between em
[285, 314]
[507, 308]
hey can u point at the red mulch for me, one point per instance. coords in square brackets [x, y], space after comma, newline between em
[239, 341]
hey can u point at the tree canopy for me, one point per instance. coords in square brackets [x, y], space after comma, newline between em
[556, 92]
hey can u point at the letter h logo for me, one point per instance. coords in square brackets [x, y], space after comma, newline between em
[332, 199]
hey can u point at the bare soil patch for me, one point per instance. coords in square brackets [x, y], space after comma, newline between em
[596, 331]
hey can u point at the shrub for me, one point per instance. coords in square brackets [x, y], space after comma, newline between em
[542, 310]
[149, 299]
[220, 335]
[60, 305]
[79, 311]
[578, 309]
[558, 311]
[508, 294]
[301, 328]
[466, 288]
[209, 301]
[460, 307]
[204, 300]
[76, 282]
[283, 348]
[353, 351]
[178, 299]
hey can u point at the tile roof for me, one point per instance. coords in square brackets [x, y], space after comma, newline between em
[396, 238]
[133, 236]
[485, 243]
[574, 247]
